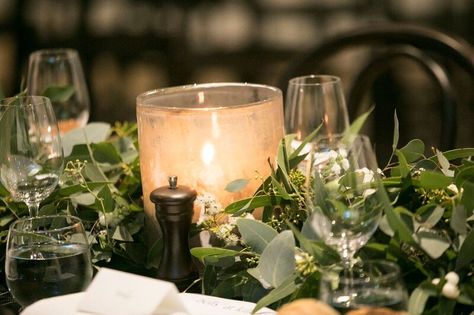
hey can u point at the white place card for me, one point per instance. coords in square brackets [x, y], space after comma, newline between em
[114, 292]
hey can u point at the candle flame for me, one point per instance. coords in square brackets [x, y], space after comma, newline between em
[208, 153]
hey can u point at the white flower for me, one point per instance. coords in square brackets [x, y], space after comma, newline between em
[368, 175]
[109, 218]
[450, 290]
[231, 239]
[345, 164]
[336, 169]
[435, 281]
[332, 154]
[202, 218]
[452, 278]
[342, 152]
[453, 188]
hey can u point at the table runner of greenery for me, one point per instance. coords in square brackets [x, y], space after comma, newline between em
[428, 232]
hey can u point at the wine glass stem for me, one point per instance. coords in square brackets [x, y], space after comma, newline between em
[33, 208]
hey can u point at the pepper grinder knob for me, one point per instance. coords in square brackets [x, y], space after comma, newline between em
[174, 212]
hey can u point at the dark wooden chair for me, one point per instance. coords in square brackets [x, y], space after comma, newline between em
[394, 53]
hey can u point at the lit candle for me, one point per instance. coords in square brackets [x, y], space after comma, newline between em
[208, 135]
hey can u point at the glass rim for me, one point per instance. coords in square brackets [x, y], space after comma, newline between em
[391, 271]
[202, 87]
[54, 51]
[38, 99]
[13, 226]
[324, 79]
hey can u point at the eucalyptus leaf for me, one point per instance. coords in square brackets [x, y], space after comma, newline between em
[432, 243]
[413, 150]
[398, 226]
[466, 252]
[105, 201]
[277, 261]
[418, 299]
[385, 227]
[396, 132]
[121, 234]
[95, 132]
[106, 152]
[467, 198]
[285, 289]
[434, 180]
[83, 199]
[356, 126]
[433, 215]
[256, 234]
[236, 185]
[249, 204]
[458, 220]
[59, 93]
[403, 167]
[444, 163]
[202, 252]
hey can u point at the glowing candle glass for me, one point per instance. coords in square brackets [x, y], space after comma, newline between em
[208, 135]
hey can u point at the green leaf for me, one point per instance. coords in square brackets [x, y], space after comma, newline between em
[356, 126]
[248, 204]
[456, 154]
[108, 203]
[396, 132]
[466, 252]
[398, 225]
[236, 185]
[418, 299]
[277, 261]
[105, 152]
[444, 163]
[432, 213]
[432, 243]
[92, 133]
[121, 234]
[403, 166]
[323, 254]
[305, 141]
[285, 289]
[59, 93]
[414, 150]
[458, 220]
[203, 252]
[256, 235]
[434, 180]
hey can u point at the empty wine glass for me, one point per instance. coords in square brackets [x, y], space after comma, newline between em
[314, 100]
[58, 74]
[31, 155]
[346, 196]
[376, 284]
[47, 256]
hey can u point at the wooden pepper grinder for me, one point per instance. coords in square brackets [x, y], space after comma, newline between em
[174, 212]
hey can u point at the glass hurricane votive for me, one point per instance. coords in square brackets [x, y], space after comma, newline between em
[208, 135]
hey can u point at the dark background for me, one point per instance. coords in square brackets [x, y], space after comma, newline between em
[130, 46]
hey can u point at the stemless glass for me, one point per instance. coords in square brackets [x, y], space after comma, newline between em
[58, 74]
[315, 100]
[377, 284]
[346, 195]
[47, 256]
[31, 155]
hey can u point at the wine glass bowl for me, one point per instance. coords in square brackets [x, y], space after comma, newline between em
[58, 74]
[31, 158]
[346, 197]
[314, 100]
[46, 256]
[374, 284]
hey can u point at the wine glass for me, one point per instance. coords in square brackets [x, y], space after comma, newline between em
[314, 100]
[376, 284]
[346, 195]
[58, 74]
[46, 256]
[31, 155]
